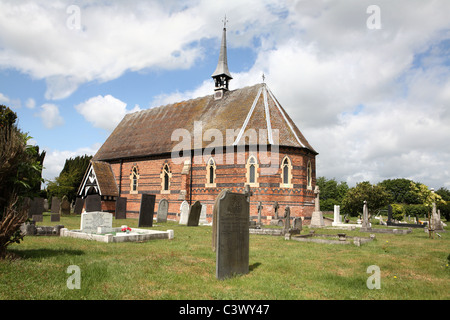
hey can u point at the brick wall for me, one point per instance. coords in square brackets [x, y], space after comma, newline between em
[232, 175]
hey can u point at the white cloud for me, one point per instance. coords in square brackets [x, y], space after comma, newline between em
[104, 111]
[3, 98]
[30, 103]
[50, 116]
[55, 159]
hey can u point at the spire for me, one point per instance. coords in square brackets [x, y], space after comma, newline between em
[222, 75]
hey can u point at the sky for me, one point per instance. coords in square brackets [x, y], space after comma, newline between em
[366, 82]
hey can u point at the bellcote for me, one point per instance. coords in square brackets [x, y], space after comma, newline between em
[222, 75]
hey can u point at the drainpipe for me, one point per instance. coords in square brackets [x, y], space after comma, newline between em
[190, 178]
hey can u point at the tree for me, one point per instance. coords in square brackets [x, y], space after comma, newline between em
[375, 195]
[401, 190]
[331, 193]
[68, 181]
[20, 177]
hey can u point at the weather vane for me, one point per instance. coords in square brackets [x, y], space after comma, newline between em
[225, 21]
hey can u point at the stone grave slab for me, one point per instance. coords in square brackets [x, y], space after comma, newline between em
[93, 203]
[184, 212]
[232, 244]
[121, 208]
[194, 214]
[79, 203]
[163, 209]
[90, 221]
[55, 205]
[147, 210]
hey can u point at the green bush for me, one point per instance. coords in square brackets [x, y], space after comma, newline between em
[414, 210]
[445, 210]
[398, 211]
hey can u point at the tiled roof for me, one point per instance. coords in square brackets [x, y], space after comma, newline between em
[149, 132]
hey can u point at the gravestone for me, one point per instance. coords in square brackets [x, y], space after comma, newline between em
[121, 208]
[287, 219]
[203, 215]
[38, 217]
[365, 225]
[90, 221]
[55, 205]
[54, 217]
[64, 208]
[297, 224]
[184, 212]
[389, 214]
[214, 218]
[79, 203]
[93, 203]
[194, 214]
[36, 207]
[45, 205]
[317, 216]
[232, 218]
[436, 223]
[275, 209]
[163, 209]
[337, 216]
[147, 210]
[260, 207]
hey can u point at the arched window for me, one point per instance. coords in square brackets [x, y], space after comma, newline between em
[252, 171]
[134, 177]
[286, 173]
[309, 175]
[211, 173]
[165, 179]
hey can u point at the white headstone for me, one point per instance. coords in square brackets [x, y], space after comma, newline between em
[203, 215]
[184, 212]
[90, 221]
[337, 215]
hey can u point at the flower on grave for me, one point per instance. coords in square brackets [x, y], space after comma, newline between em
[125, 229]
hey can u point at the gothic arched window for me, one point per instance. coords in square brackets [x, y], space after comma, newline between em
[134, 177]
[211, 173]
[165, 179]
[252, 171]
[286, 173]
[309, 175]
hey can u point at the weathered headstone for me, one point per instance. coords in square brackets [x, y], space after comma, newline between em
[203, 219]
[38, 217]
[121, 208]
[79, 203]
[55, 217]
[365, 225]
[232, 252]
[317, 216]
[260, 207]
[163, 209]
[147, 210]
[337, 216]
[45, 205]
[184, 212]
[287, 219]
[64, 208]
[214, 218]
[389, 214]
[194, 214]
[90, 221]
[36, 207]
[93, 203]
[275, 209]
[55, 205]
[297, 224]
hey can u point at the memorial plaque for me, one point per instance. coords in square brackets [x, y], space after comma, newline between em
[163, 208]
[93, 203]
[184, 212]
[232, 244]
[121, 208]
[79, 203]
[55, 205]
[147, 210]
[194, 214]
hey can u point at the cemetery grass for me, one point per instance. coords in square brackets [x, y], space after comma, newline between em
[412, 267]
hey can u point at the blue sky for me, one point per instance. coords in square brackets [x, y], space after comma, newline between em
[373, 101]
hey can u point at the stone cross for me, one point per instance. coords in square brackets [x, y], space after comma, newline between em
[275, 208]
[317, 202]
[260, 207]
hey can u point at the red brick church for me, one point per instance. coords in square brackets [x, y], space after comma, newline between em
[191, 150]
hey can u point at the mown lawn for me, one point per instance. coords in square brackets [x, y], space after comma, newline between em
[412, 266]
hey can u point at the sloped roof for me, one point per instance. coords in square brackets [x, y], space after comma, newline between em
[102, 177]
[149, 132]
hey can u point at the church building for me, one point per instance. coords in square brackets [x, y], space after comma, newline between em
[191, 150]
